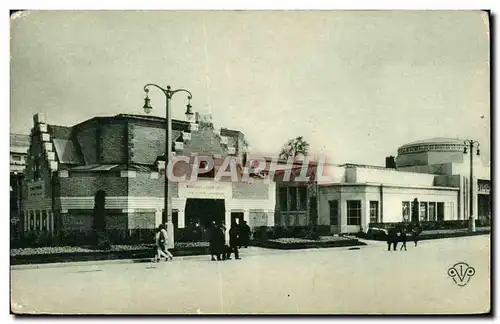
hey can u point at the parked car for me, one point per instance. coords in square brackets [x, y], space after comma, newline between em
[376, 233]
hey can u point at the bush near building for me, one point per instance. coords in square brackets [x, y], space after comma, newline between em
[265, 233]
[433, 225]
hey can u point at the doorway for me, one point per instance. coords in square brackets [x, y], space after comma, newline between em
[204, 211]
[200, 213]
[440, 211]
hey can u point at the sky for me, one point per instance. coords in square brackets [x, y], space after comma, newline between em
[355, 84]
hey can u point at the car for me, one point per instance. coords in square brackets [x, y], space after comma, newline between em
[377, 233]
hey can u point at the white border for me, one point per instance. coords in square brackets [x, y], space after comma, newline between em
[190, 5]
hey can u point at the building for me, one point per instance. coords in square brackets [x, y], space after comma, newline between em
[435, 172]
[19, 144]
[119, 158]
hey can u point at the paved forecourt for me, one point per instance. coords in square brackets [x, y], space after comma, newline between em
[327, 281]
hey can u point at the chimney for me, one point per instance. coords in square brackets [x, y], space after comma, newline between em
[39, 118]
[390, 162]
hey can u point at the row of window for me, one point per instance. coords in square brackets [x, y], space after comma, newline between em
[353, 212]
[433, 147]
[427, 211]
[293, 198]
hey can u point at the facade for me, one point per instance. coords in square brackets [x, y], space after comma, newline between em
[353, 196]
[119, 157]
[19, 144]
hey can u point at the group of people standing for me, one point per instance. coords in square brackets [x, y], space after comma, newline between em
[398, 234]
[239, 236]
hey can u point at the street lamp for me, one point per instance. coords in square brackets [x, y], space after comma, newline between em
[471, 144]
[168, 147]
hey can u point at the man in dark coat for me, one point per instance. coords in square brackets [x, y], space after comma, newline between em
[234, 237]
[214, 241]
[402, 238]
[392, 238]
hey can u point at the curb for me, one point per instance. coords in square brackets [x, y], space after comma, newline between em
[264, 251]
[94, 263]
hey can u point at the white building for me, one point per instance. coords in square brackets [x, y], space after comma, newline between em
[435, 172]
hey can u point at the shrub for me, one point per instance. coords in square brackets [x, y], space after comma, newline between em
[425, 225]
[483, 222]
[323, 230]
[261, 233]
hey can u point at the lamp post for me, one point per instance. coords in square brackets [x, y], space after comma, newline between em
[168, 92]
[471, 144]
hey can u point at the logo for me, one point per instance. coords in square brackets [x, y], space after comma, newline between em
[461, 273]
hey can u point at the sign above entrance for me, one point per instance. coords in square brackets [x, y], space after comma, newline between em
[205, 189]
[35, 190]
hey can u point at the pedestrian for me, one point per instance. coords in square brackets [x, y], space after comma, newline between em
[212, 241]
[245, 234]
[158, 250]
[220, 242]
[402, 238]
[395, 238]
[234, 237]
[392, 238]
[416, 233]
[164, 240]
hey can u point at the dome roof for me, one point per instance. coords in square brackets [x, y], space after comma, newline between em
[437, 140]
[439, 144]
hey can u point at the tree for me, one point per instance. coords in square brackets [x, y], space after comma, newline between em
[294, 148]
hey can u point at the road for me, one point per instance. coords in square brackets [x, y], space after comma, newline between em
[370, 280]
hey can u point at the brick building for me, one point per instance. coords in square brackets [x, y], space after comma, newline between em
[18, 152]
[119, 155]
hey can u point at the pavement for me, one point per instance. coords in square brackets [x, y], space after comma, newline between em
[250, 251]
[362, 280]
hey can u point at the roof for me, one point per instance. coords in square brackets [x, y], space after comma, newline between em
[437, 140]
[67, 151]
[365, 166]
[112, 167]
[60, 131]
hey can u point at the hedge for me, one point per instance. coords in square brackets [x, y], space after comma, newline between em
[433, 225]
[265, 233]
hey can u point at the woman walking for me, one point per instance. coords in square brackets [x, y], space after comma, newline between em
[161, 244]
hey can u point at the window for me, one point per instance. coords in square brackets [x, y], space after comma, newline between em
[373, 211]
[406, 211]
[302, 198]
[283, 198]
[354, 212]
[440, 211]
[423, 211]
[16, 158]
[432, 211]
[293, 198]
[334, 212]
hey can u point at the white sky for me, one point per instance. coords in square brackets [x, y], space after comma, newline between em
[356, 85]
